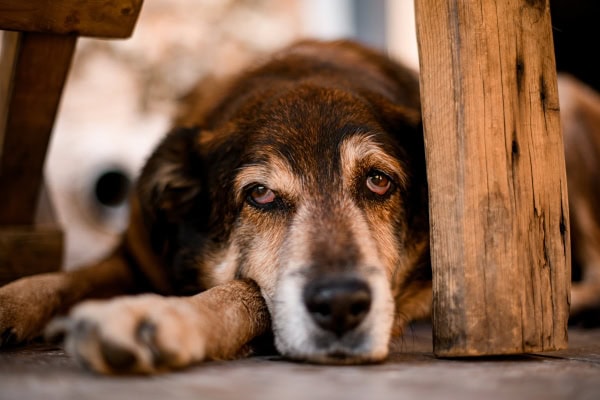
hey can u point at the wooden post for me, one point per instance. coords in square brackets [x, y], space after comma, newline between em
[498, 199]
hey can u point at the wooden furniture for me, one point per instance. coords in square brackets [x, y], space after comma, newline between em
[36, 55]
[496, 171]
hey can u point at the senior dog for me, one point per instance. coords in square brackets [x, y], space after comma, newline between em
[291, 199]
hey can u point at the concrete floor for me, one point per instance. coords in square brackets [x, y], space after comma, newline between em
[42, 372]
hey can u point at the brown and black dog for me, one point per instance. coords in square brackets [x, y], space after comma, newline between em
[294, 204]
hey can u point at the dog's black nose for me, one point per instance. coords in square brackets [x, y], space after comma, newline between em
[337, 305]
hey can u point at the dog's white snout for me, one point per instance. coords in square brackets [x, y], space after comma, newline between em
[339, 304]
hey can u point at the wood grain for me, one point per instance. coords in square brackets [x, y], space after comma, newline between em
[35, 249]
[26, 251]
[496, 172]
[40, 67]
[10, 46]
[98, 18]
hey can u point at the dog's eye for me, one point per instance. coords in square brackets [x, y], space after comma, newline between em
[260, 195]
[378, 182]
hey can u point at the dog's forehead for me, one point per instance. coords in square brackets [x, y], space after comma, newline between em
[312, 138]
[306, 127]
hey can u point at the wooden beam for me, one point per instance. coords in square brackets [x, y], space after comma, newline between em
[27, 251]
[496, 171]
[98, 18]
[39, 69]
[8, 55]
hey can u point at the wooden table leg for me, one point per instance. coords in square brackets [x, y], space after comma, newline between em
[33, 70]
[496, 171]
[39, 67]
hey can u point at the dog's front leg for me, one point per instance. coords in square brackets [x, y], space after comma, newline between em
[151, 333]
[27, 304]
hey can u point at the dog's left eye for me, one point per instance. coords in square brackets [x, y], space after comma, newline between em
[378, 182]
[261, 196]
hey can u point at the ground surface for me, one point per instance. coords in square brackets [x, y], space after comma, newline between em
[42, 372]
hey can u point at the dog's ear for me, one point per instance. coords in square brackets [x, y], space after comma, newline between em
[403, 122]
[394, 115]
[398, 116]
[172, 179]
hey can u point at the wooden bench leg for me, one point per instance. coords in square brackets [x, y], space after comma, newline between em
[496, 171]
[33, 71]
[39, 67]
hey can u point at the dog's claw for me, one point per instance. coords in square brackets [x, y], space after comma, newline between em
[117, 357]
[146, 332]
[84, 328]
[56, 330]
[146, 336]
[8, 337]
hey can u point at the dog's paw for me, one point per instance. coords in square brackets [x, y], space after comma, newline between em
[12, 331]
[138, 334]
[26, 305]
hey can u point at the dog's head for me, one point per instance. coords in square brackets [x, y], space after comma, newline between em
[314, 187]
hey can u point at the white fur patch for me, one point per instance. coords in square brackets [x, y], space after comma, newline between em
[297, 335]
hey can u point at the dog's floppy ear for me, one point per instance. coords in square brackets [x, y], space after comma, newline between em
[394, 115]
[171, 181]
[402, 121]
[400, 116]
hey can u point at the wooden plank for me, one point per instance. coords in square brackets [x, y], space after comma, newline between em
[45, 214]
[8, 55]
[33, 250]
[26, 251]
[496, 171]
[98, 18]
[46, 372]
[40, 68]
[584, 345]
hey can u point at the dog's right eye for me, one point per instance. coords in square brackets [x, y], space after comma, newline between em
[261, 196]
[378, 182]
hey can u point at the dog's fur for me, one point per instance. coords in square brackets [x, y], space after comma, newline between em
[580, 117]
[298, 181]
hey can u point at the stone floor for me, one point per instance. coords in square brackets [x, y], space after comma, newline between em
[42, 372]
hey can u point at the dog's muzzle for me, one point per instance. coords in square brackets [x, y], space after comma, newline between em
[338, 318]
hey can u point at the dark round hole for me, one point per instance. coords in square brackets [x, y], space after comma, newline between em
[112, 188]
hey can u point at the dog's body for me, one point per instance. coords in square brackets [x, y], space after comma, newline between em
[297, 202]
[580, 117]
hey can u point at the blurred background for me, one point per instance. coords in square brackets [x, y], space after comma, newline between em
[121, 95]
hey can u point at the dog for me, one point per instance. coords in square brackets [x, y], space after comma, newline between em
[580, 118]
[289, 201]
